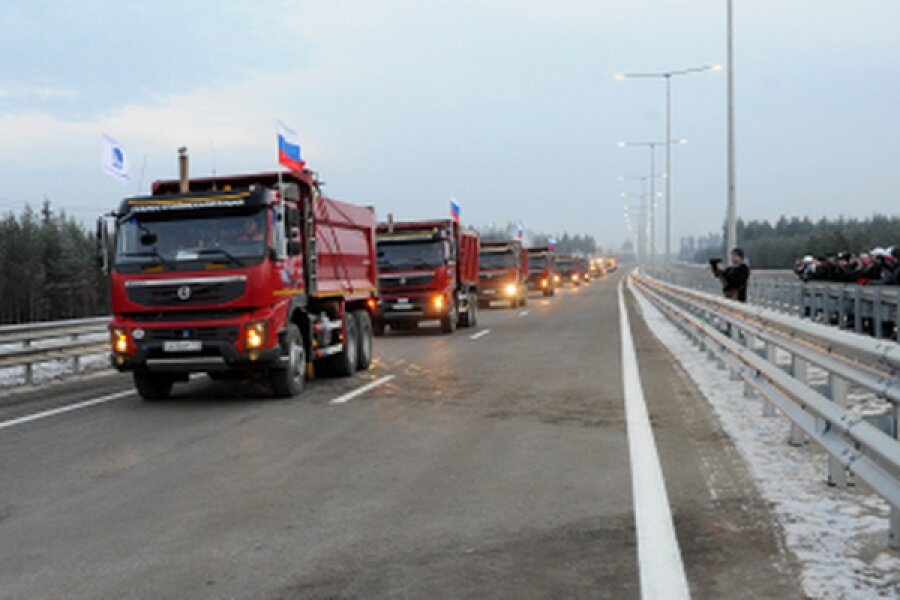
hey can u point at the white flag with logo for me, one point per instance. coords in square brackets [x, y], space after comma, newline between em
[114, 161]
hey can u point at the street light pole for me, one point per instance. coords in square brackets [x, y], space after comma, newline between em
[668, 75]
[652, 206]
[732, 186]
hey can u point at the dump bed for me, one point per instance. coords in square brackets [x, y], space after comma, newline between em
[469, 247]
[345, 249]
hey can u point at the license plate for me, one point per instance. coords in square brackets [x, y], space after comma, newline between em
[183, 346]
[489, 292]
[403, 307]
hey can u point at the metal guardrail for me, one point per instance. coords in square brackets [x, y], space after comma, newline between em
[865, 309]
[33, 343]
[728, 331]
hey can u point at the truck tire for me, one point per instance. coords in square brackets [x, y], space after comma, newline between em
[365, 342]
[470, 319]
[344, 363]
[448, 323]
[288, 382]
[524, 301]
[153, 386]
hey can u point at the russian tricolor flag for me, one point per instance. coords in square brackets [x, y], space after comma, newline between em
[520, 231]
[454, 209]
[289, 148]
[551, 243]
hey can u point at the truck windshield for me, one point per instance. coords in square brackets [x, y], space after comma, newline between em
[396, 256]
[497, 260]
[238, 239]
[536, 263]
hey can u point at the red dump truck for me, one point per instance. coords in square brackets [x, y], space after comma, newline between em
[542, 275]
[503, 273]
[428, 270]
[243, 275]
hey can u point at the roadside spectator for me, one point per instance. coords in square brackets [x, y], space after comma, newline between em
[734, 277]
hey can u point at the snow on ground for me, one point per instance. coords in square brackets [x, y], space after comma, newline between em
[839, 536]
[52, 370]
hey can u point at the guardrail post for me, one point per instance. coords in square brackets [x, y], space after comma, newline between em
[857, 309]
[894, 528]
[736, 334]
[837, 391]
[76, 360]
[768, 407]
[29, 368]
[800, 371]
[842, 308]
[876, 313]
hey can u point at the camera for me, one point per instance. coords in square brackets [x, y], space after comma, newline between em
[714, 262]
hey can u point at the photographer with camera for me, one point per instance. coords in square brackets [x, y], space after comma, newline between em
[734, 277]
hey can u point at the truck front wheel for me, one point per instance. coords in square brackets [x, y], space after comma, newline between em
[288, 381]
[153, 386]
[365, 343]
[448, 323]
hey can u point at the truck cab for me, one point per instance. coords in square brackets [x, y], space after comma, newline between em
[569, 271]
[428, 270]
[503, 268]
[237, 276]
[542, 273]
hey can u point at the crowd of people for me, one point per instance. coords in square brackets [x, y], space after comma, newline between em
[880, 266]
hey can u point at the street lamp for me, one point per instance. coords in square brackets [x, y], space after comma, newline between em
[642, 212]
[652, 178]
[668, 75]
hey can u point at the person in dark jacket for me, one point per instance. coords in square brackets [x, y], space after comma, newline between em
[734, 277]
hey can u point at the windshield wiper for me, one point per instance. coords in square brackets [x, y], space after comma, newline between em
[223, 252]
[152, 253]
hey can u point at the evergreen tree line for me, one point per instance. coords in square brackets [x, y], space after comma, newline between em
[49, 269]
[578, 244]
[777, 246]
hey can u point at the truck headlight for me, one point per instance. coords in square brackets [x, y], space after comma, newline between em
[511, 289]
[119, 341]
[543, 283]
[556, 279]
[437, 303]
[255, 335]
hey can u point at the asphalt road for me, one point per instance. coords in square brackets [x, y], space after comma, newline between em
[494, 467]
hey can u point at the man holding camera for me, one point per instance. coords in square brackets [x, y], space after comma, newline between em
[734, 277]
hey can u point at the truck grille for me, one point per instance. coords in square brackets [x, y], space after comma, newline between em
[192, 292]
[404, 281]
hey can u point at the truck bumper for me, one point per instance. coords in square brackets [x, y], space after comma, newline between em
[413, 310]
[223, 359]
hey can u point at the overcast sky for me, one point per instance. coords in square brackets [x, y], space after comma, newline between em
[510, 105]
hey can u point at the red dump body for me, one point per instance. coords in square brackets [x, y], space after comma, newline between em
[195, 272]
[427, 270]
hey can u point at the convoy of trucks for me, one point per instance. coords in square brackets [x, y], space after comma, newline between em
[260, 275]
[503, 273]
[428, 270]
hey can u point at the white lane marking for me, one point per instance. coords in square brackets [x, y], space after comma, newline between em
[361, 390]
[481, 333]
[524, 313]
[64, 409]
[659, 557]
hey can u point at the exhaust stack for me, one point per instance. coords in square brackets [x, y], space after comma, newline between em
[184, 186]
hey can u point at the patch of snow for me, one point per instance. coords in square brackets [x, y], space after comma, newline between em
[839, 536]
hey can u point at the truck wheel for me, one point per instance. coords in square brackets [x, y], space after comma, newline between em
[364, 346]
[343, 364]
[524, 299]
[448, 323]
[472, 316]
[153, 386]
[466, 319]
[288, 381]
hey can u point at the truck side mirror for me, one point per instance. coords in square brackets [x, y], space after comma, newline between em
[102, 246]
